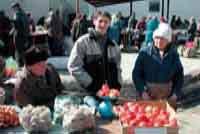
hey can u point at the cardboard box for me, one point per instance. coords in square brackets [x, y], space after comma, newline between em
[154, 130]
[161, 130]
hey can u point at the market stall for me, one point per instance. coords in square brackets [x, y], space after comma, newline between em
[111, 114]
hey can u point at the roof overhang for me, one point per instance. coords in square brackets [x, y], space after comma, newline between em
[99, 3]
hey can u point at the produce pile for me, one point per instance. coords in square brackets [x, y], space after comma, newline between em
[8, 116]
[35, 119]
[61, 103]
[144, 115]
[106, 91]
[78, 118]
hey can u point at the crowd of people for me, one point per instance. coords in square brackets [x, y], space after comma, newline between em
[94, 54]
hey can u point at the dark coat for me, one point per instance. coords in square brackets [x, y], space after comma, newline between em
[150, 68]
[38, 90]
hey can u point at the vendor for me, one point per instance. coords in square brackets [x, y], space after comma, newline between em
[37, 83]
[95, 59]
[158, 72]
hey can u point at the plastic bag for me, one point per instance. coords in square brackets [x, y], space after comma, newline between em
[35, 119]
[11, 67]
[78, 119]
[62, 101]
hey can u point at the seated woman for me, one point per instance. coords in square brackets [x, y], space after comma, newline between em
[37, 83]
[158, 72]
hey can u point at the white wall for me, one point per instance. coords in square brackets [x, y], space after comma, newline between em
[70, 4]
[38, 8]
[183, 8]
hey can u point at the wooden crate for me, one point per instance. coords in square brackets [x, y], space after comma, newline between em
[154, 130]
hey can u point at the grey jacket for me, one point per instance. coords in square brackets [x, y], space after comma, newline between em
[87, 50]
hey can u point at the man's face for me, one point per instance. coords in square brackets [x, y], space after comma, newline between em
[39, 68]
[101, 24]
[161, 43]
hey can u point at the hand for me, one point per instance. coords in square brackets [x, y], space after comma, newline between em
[145, 96]
[173, 101]
[173, 97]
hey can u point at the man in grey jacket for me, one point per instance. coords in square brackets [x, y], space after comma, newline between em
[95, 59]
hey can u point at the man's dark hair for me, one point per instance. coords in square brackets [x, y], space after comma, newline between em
[104, 14]
[15, 4]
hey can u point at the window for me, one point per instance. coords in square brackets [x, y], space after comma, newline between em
[154, 5]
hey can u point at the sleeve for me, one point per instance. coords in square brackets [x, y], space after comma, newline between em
[178, 78]
[21, 96]
[119, 71]
[74, 30]
[16, 21]
[138, 73]
[75, 64]
[59, 85]
[20, 90]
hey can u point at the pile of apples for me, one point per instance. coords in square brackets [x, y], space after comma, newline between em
[106, 91]
[144, 115]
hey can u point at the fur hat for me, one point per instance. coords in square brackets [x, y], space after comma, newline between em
[163, 30]
[34, 55]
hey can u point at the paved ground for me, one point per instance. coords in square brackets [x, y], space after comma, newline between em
[189, 113]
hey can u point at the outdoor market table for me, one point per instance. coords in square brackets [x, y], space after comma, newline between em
[103, 127]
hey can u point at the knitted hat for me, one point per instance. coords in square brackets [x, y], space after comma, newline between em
[163, 30]
[34, 55]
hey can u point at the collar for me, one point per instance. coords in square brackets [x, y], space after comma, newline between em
[155, 50]
[93, 34]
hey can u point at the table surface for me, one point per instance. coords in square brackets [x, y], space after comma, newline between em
[103, 127]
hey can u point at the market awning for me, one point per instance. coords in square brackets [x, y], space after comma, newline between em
[99, 3]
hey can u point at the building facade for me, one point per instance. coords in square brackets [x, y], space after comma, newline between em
[183, 8]
[40, 8]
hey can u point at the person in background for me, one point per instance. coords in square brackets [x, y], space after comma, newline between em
[131, 27]
[114, 30]
[55, 33]
[163, 20]
[20, 32]
[31, 23]
[192, 28]
[141, 24]
[158, 72]
[95, 59]
[151, 25]
[179, 23]
[37, 83]
[80, 26]
[173, 22]
[5, 27]
[197, 35]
